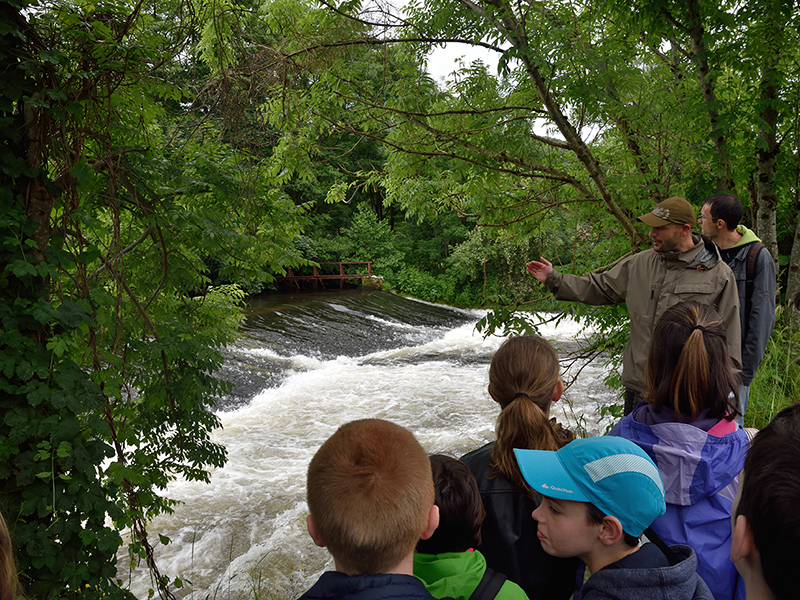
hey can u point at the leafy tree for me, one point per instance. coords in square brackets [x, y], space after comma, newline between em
[119, 189]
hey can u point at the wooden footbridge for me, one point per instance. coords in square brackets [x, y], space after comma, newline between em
[318, 278]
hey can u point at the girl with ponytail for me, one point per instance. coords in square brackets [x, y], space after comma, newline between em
[687, 427]
[524, 379]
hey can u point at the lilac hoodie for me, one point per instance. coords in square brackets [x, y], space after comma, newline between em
[700, 464]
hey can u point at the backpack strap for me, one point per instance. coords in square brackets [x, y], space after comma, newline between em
[489, 586]
[752, 256]
[671, 555]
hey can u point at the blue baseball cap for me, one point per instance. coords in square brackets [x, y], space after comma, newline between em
[612, 473]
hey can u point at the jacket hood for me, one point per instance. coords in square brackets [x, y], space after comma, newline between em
[676, 581]
[748, 236]
[450, 574]
[702, 256]
[693, 463]
[707, 256]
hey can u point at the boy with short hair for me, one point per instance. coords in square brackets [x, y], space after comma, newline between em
[598, 496]
[766, 511]
[370, 495]
[447, 562]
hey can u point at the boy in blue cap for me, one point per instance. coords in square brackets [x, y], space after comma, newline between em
[598, 496]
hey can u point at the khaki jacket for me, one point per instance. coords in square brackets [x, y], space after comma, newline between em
[649, 283]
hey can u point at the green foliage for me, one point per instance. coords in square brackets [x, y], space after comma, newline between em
[412, 281]
[117, 199]
[53, 436]
[777, 381]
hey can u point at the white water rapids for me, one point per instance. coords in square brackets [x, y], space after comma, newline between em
[243, 535]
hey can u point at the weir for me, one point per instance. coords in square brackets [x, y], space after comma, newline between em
[305, 365]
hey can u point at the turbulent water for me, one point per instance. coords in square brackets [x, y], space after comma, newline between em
[305, 365]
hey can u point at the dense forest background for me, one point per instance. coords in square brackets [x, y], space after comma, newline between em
[161, 160]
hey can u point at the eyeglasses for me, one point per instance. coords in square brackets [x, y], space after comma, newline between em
[701, 217]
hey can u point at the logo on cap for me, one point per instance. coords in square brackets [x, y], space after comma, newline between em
[556, 489]
[662, 212]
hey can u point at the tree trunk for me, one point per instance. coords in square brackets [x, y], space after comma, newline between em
[793, 285]
[768, 150]
[706, 80]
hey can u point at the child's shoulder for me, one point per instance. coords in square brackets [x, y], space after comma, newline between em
[648, 575]
[334, 585]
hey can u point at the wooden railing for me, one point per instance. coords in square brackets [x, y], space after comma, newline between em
[318, 278]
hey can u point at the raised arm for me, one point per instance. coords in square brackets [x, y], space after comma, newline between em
[540, 270]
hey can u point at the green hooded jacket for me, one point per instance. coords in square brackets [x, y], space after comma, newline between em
[457, 574]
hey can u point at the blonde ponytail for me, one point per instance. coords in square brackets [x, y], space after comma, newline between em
[522, 378]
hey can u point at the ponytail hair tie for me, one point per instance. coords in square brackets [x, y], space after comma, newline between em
[518, 394]
[700, 327]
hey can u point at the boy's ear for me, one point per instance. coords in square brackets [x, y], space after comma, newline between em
[557, 391]
[742, 544]
[433, 523]
[610, 531]
[312, 531]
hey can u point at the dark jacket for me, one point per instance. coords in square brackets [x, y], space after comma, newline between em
[757, 315]
[649, 283]
[334, 585]
[509, 537]
[618, 581]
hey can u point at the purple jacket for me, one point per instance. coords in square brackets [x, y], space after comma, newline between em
[701, 475]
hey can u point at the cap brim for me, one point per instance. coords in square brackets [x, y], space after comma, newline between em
[545, 473]
[653, 221]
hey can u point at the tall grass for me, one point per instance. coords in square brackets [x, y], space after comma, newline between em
[777, 382]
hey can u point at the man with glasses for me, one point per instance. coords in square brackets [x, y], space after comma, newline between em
[754, 270]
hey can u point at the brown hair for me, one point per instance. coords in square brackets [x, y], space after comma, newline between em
[369, 492]
[461, 511]
[688, 367]
[595, 516]
[9, 585]
[523, 374]
[769, 496]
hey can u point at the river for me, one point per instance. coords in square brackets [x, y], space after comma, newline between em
[306, 364]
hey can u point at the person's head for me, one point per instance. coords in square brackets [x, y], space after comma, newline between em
[524, 379]
[9, 585]
[720, 212]
[599, 495]
[671, 223]
[370, 495]
[461, 511]
[766, 512]
[688, 366]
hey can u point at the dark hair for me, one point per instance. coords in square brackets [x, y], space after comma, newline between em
[726, 207]
[595, 516]
[770, 496]
[688, 367]
[461, 511]
[523, 374]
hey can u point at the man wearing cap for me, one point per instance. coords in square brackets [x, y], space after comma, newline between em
[682, 266]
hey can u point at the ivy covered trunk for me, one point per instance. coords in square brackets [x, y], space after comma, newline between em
[112, 327]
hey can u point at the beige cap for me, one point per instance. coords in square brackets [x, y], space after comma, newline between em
[672, 210]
